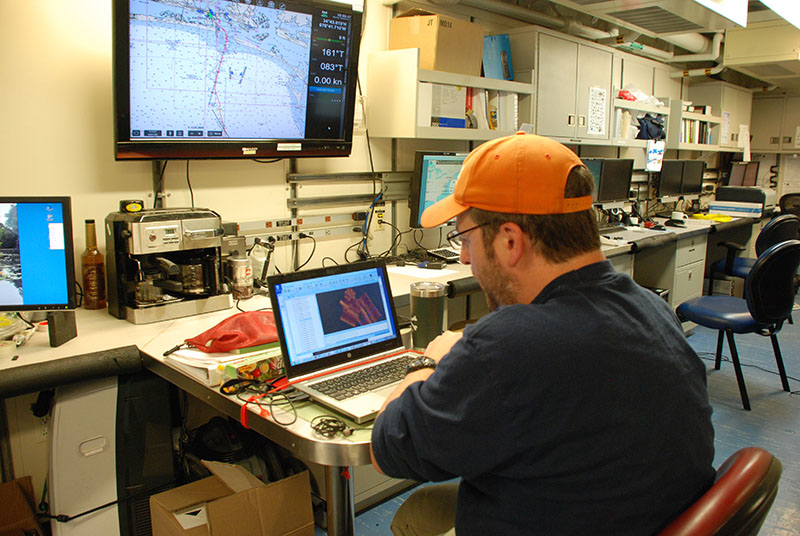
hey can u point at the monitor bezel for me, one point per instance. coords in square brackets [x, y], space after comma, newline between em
[677, 192]
[69, 254]
[692, 163]
[603, 176]
[415, 198]
[127, 149]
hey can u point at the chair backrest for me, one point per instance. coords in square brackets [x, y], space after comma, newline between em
[738, 501]
[779, 229]
[790, 203]
[769, 286]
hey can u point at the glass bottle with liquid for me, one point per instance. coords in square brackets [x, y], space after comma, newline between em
[93, 268]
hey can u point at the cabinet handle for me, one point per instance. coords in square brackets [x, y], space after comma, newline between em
[734, 136]
[774, 139]
[581, 120]
[571, 120]
[787, 139]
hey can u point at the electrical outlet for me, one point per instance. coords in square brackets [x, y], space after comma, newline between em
[380, 214]
[42, 429]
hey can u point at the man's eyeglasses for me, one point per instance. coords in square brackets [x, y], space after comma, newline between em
[454, 236]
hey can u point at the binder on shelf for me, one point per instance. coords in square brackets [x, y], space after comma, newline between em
[476, 103]
[497, 57]
[441, 105]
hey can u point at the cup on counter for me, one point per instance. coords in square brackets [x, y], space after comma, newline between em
[677, 215]
[427, 312]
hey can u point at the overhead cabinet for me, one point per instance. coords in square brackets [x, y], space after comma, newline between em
[776, 124]
[573, 84]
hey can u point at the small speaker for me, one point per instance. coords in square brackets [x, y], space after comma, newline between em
[61, 327]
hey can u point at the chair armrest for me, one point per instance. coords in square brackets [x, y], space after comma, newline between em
[733, 248]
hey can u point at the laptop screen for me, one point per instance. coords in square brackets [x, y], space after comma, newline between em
[333, 315]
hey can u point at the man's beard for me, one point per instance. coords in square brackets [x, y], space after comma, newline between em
[495, 284]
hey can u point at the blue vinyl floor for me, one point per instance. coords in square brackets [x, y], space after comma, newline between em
[773, 423]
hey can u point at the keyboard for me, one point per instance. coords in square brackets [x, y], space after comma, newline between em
[365, 379]
[447, 254]
[614, 228]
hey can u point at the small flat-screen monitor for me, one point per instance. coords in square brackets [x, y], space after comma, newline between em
[434, 178]
[595, 167]
[671, 176]
[692, 183]
[37, 261]
[234, 78]
[751, 174]
[615, 180]
[743, 174]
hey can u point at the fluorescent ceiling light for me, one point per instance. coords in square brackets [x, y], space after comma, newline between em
[786, 9]
[734, 10]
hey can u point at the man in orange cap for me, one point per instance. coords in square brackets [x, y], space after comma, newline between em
[576, 406]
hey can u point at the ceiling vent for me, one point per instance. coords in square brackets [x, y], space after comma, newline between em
[666, 17]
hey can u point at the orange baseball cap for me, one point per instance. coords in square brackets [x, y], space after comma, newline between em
[519, 174]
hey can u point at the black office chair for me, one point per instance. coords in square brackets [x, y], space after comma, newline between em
[769, 297]
[790, 204]
[779, 229]
[738, 501]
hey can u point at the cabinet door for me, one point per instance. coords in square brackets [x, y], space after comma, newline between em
[738, 102]
[594, 92]
[556, 77]
[791, 124]
[766, 124]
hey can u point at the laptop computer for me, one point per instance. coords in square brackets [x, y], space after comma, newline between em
[338, 321]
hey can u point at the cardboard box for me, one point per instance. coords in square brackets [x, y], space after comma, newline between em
[16, 514]
[233, 502]
[444, 43]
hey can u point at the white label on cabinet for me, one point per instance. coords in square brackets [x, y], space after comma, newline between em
[725, 129]
[797, 138]
[597, 111]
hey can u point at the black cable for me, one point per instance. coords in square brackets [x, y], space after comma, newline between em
[313, 249]
[331, 259]
[270, 161]
[160, 185]
[189, 183]
[328, 426]
[30, 324]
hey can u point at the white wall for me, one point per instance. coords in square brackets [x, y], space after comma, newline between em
[57, 126]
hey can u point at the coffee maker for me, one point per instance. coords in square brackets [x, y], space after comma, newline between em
[164, 264]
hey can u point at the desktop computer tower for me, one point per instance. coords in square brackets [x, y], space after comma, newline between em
[111, 447]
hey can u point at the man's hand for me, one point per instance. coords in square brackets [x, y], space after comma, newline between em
[441, 345]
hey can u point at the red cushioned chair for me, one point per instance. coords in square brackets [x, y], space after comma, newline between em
[738, 502]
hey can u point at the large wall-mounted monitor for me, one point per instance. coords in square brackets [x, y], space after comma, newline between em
[234, 78]
[615, 181]
[692, 179]
[37, 261]
[670, 179]
[434, 178]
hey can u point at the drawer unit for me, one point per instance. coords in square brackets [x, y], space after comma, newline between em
[691, 249]
[678, 266]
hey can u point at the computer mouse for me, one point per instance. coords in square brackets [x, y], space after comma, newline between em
[675, 223]
[658, 227]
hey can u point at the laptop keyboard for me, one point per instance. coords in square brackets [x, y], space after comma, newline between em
[366, 379]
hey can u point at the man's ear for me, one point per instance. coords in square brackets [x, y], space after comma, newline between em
[512, 242]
